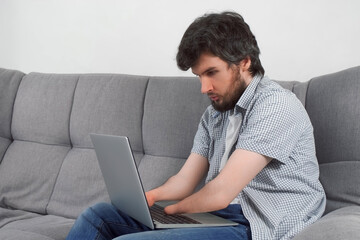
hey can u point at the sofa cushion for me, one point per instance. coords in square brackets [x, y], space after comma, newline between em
[298, 88]
[39, 227]
[42, 108]
[9, 83]
[11, 215]
[94, 111]
[172, 111]
[156, 170]
[40, 129]
[4, 144]
[79, 184]
[289, 85]
[109, 104]
[343, 223]
[333, 105]
[28, 173]
[14, 234]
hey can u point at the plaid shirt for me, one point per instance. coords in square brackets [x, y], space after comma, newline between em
[286, 195]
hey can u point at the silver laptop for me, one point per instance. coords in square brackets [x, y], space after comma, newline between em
[126, 191]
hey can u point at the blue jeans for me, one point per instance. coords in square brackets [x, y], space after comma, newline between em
[104, 221]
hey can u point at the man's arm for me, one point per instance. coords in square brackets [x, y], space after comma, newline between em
[240, 169]
[183, 183]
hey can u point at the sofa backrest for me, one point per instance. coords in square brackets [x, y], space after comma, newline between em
[49, 165]
[172, 111]
[333, 104]
[9, 83]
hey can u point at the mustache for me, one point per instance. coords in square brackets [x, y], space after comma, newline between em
[212, 95]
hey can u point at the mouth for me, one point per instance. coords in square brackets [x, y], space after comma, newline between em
[213, 97]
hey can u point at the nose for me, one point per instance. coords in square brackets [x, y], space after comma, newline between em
[206, 85]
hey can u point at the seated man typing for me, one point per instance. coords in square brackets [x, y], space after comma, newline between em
[254, 144]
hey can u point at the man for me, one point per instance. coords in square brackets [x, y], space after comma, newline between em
[255, 143]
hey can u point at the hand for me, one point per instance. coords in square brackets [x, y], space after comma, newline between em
[150, 197]
[172, 209]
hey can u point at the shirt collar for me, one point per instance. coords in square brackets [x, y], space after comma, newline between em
[245, 98]
[248, 94]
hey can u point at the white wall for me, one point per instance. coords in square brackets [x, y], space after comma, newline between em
[299, 39]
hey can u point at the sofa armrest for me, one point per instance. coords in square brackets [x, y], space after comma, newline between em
[343, 223]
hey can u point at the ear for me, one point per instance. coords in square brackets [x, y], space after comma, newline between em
[245, 64]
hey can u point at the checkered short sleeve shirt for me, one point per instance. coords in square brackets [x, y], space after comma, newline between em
[286, 195]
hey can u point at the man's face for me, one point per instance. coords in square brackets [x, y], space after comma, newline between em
[223, 84]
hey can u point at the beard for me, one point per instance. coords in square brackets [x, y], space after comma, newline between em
[232, 95]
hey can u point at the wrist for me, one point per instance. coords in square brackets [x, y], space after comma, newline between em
[151, 197]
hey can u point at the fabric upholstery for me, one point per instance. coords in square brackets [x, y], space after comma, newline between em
[109, 104]
[333, 105]
[155, 170]
[94, 111]
[39, 227]
[9, 83]
[169, 125]
[18, 224]
[289, 85]
[42, 108]
[342, 224]
[10, 80]
[49, 171]
[4, 144]
[28, 173]
[72, 187]
[172, 111]
[12, 215]
[299, 88]
[15, 234]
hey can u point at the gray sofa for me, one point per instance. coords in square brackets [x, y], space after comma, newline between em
[48, 168]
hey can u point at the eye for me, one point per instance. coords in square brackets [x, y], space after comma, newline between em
[211, 73]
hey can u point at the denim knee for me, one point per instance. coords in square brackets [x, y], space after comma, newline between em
[89, 222]
[98, 210]
[102, 206]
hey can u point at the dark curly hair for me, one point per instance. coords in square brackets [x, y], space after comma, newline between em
[226, 35]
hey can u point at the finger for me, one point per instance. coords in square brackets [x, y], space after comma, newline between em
[149, 198]
[171, 209]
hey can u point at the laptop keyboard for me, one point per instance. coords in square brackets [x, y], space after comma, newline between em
[159, 215]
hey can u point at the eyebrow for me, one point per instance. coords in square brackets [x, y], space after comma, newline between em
[207, 70]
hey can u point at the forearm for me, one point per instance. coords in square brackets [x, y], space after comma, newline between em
[183, 183]
[211, 197]
[240, 169]
[175, 188]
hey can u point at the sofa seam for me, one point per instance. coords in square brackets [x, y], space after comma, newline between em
[330, 163]
[164, 156]
[13, 105]
[47, 144]
[70, 147]
[11, 139]
[306, 94]
[53, 187]
[143, 115]
[25, 231]
[4, 153]
[71, 108]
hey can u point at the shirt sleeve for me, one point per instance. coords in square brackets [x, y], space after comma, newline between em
[274, 126]
[202, 138]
